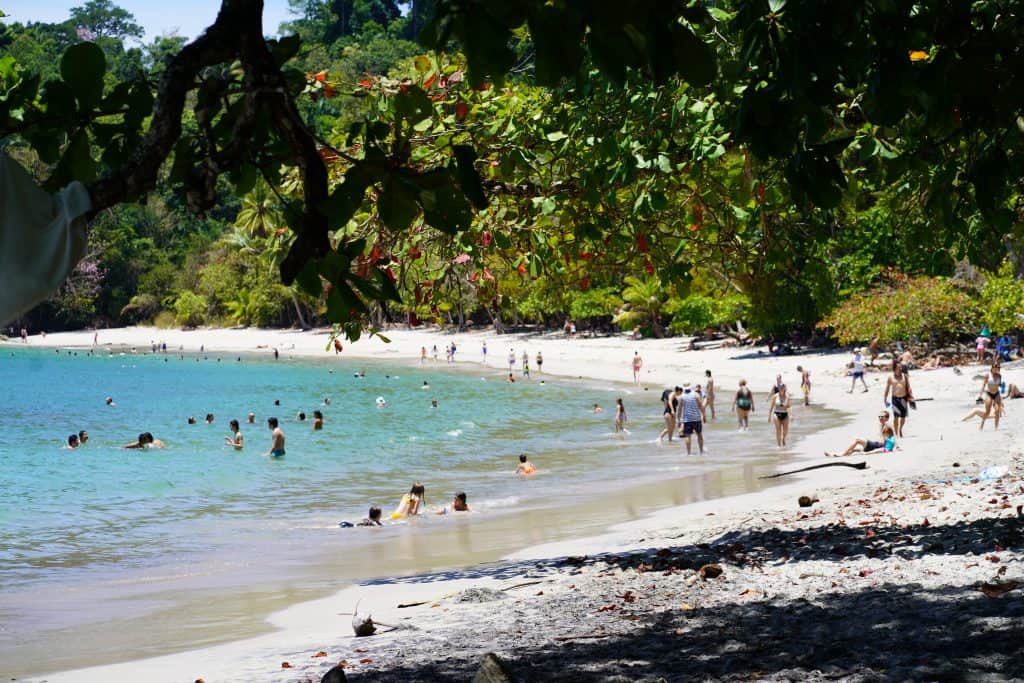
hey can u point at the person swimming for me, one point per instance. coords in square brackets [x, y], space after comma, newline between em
[411, 502]
[597, 409]
[276, 438]
[145, 440]
[235, 440]
[191, 419]
[110, 401]
[459, 504]
[433, 403]
[252, 418]
[318, 420]
[526, 467]
[372, 518]
[301, 417]
[83, 436]
[426, 385]
[381, 403]
[209, 418]
[73, 442]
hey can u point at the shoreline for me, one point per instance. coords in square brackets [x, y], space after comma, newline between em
[601, 359]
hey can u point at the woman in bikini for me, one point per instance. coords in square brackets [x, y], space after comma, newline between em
[779, 409]
[743, 404]
[620, 416]
[886, 445]
[991, 387]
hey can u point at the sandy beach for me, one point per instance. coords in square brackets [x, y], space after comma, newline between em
[909, 569]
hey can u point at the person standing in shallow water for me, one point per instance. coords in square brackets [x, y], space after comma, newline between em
[235, 440]
[779, 409]
[805, 384]
[620, 416]
[743, 404]
[709, 393]
[694, 418]
[276, 438]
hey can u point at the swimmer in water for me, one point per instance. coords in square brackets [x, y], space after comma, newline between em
[252, 418]
[381, 403]
[276, 438]
[426, 385]
[411, 502]
[191, 419]
[597, 409]
[327, 401]
[145, 440]
[235, 441]
[526, 467]
[110, 401]
[83, 436]
[511, 379]
[318, 420]
[209, 418]
[433, 403]
[459, 504]
[372, 518]
[301, 417]
[73, 442]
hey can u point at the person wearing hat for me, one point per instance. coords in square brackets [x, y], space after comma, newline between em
[886, 445]
[858, 369]
[693, 418]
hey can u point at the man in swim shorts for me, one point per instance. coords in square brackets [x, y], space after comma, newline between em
[898, 384]
[276, 438]
[693, 418]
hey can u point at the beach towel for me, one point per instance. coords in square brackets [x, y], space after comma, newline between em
[42, 238]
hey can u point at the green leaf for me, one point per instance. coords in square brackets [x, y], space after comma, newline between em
[347, 197]
[557, 35]
[444, 206]
[309, 280]
[412, 104]
[77, 162]
[556, 136]
[396, 205]
[469, 179]
[82, 67]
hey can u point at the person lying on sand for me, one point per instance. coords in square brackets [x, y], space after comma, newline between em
[526, 467]
[887, 445]
[1012, 392]
[145, 440]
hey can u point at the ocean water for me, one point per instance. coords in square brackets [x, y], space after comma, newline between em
[108, 554]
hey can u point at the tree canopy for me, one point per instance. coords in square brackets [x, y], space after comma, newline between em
[750, 160]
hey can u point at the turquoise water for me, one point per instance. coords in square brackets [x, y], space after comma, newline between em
[111, 538]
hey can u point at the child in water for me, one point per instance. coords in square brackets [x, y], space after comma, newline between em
[411, 502]
[525, 466]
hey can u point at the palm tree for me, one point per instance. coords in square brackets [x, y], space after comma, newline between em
[260, 215]
[642, 303]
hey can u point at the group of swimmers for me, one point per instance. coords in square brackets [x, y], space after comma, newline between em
[413, 503]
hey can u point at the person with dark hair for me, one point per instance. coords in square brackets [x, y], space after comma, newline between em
[318, 420]
[191, 419]
[459, 504]
[372, 519]
[743, 404]
[235, 440]
[301, 417]
[276, 438]
[411, 502]
[209, 418]
[252, 418]
[145, 440]
[73, 441]
[898, 384]
[83, 436]
[525, 466]
[709, 394]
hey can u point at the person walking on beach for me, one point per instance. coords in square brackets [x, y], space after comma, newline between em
[620, 416]
[434, 352]
[779, 409]
[235, 440]
[805, 384]
[743, 404]
[483, 350]
[276, 438]
[858, 370]
[668, 413]
[540, 363]
[638, 363]
[709, 393]
[337, 346]
[991, 387]
[898, 384]
[452, 351]
[694, 418]
[511, 360]
[423, 355]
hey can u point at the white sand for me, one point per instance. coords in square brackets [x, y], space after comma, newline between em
[935, 439]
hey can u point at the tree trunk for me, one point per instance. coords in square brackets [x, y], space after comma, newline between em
[298, 310]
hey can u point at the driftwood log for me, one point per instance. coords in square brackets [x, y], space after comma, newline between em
[854, 465]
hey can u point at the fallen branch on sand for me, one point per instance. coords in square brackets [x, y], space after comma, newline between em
[854, 465]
